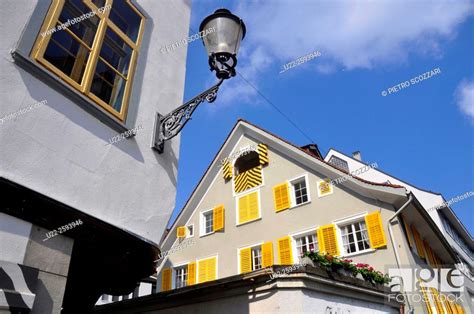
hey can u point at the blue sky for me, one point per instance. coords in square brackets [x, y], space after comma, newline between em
[422, 134]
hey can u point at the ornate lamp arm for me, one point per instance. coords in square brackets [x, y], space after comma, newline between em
[167, 127]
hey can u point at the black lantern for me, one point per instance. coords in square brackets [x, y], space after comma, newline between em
[222, 45]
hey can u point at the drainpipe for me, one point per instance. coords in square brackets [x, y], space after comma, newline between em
[397, 256]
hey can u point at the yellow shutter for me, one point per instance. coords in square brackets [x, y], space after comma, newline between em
[281, 196]
[459, 308]
[267, 254]
[418, 242]
[218, 218]
[245, 260]
[447, 306]
[243, 209]
[202, 271]
[320, 241]
[437, 301]
[262, 150]
[329, 239]
[191, 274]
[166, 279]
[374, 225]
[248, 207]
[285, 256]
[248, 179]
[453, 307]
[181, 232]
[429, 254]
[207, 269]
[211, 269]
[426, 299]
[409, 235]
[227, 170]
[253, 206]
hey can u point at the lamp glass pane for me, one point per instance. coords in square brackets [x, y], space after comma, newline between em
[225, 38]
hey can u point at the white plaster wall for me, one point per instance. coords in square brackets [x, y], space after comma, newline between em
[284, 301]
[272, 226]
[62, 151]
[14, 236]
[144, 289]
[427, 199]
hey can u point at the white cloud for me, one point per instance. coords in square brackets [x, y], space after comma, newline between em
[465, 98]
[350, 35]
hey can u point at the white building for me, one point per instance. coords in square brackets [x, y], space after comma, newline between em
[448, 223]
[81, 213]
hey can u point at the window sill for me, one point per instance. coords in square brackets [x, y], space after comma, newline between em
[299, 205]
[206, 234]
[359, 253]
[247, 222]
[37, 70]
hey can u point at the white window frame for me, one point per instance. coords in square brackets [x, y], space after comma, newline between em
[173, 273]
[202, 224]
[237, 207]
[246, 247]
[207, 257]
[350, 220]
[293, 193]
[293, 236]
[188, 234]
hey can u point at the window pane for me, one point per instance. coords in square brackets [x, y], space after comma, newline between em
[125, 18]
[66, 54]
[85, 29]
[181, 276]
[355, 238]
[108, 86]
[116, 52]
[209, 221]
[301, 194]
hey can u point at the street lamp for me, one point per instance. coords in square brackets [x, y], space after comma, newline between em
[222, 47]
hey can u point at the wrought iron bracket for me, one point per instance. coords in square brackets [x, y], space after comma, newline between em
[168, 126]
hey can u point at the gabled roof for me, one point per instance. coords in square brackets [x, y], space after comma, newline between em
[390, 192]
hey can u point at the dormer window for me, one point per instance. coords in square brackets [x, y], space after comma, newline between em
[246, 171]
[246, 162]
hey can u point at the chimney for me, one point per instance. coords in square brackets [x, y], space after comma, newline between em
[313, 149]
[357, 155]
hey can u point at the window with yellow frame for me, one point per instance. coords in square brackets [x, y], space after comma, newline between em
[93, 46]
